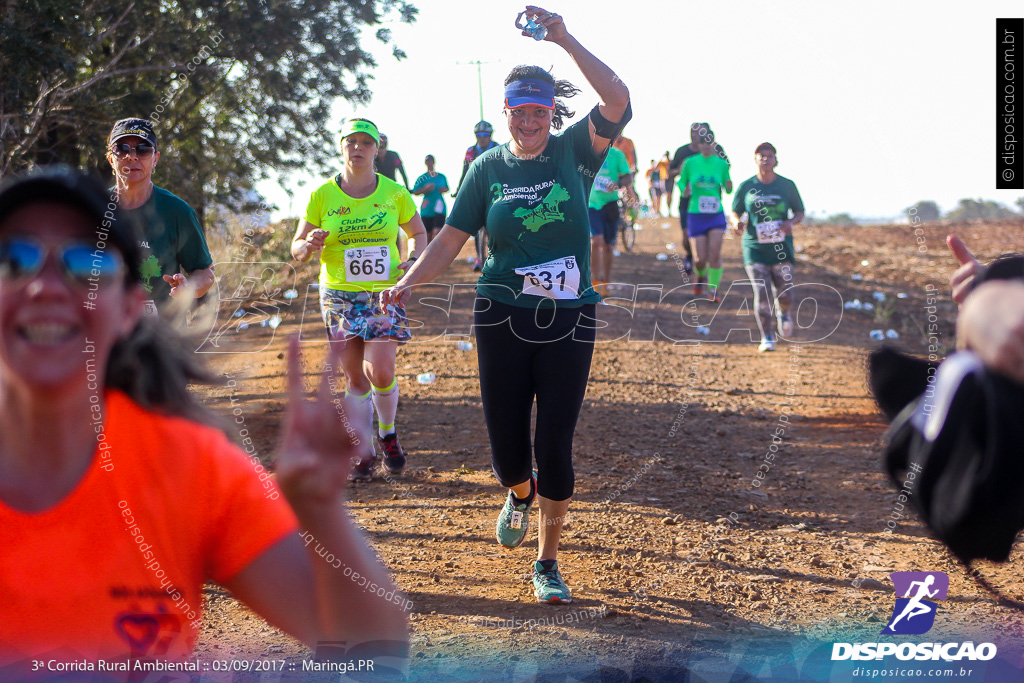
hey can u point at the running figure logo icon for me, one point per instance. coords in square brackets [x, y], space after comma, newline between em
[914, 613]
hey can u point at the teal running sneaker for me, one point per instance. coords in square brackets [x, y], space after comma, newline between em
[514, 521]
[548, 585]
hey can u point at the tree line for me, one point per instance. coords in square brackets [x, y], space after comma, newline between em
[238, 91]
[966, 209]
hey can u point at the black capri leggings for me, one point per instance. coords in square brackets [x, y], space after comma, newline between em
[528, 352]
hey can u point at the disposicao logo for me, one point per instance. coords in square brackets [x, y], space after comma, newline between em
[914, 614]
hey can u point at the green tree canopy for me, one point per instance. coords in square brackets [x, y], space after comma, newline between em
[927, 211]
[237, 90]
[843, 220]
[979, 208]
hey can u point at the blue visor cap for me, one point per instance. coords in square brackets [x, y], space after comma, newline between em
[530, 92]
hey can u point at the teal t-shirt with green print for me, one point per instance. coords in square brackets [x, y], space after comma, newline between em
[172, 241]
[766, 206]
[535, 211]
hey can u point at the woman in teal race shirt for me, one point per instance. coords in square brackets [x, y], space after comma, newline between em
[431, 186]
[534, 314]
[761, 209]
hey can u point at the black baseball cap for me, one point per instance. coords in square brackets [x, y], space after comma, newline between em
[142, 128]
[61, 184]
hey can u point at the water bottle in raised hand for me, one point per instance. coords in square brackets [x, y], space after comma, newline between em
[538, 31]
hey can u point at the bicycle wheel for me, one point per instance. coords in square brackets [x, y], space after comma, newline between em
[627, 232]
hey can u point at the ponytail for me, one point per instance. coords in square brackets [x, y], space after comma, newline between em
[154, 365]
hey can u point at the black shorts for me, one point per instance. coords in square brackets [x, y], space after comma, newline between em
[433, 222]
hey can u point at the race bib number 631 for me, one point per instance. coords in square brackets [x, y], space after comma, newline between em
[367, 264]
[558, 279]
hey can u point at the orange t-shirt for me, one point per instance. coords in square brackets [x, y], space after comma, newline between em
[116, 569]
[663, 169]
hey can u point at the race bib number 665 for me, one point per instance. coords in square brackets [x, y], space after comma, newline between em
[367, 264]
[558, 279]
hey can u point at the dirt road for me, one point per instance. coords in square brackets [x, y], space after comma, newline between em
[679, 553]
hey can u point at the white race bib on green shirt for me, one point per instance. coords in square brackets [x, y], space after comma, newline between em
[708, 204]
[367, 264]
[769, 232]
[558, 279]
[603, 184]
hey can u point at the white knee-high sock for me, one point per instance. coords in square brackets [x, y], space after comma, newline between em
[365, 407]
[386, 403]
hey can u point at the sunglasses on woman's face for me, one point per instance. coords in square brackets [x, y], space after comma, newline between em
[24, 257]
[123, 149]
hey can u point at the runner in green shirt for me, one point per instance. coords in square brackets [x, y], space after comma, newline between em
[176, 261]
[761, 209]
[604, 212]
[534, 315]
[704, 176]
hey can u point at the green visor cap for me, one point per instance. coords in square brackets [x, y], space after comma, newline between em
[351, 127]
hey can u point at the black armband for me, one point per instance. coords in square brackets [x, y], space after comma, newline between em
[605, 128]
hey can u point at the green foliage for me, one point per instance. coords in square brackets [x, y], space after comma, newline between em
[1020, 204]
[238, 91]
[843, 220]
[884, 310]
[924, 211]
[979, 208]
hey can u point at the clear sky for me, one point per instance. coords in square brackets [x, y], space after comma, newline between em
[872, 105]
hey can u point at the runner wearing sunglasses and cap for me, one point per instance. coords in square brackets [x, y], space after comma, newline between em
[483, 131]
[535, 307]
[118, 500]
[175, 258]
[352, 221]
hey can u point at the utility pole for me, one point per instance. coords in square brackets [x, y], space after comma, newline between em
[479, 82]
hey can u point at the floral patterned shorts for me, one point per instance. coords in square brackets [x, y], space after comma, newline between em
[358, 314]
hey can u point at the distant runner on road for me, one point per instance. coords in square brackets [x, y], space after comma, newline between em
[703, 177]
[605, 216]
[655, 188]
[431, 186]
[682, 154]
[388, 163]
[483, 131]
[761, 210]
[666, 186]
